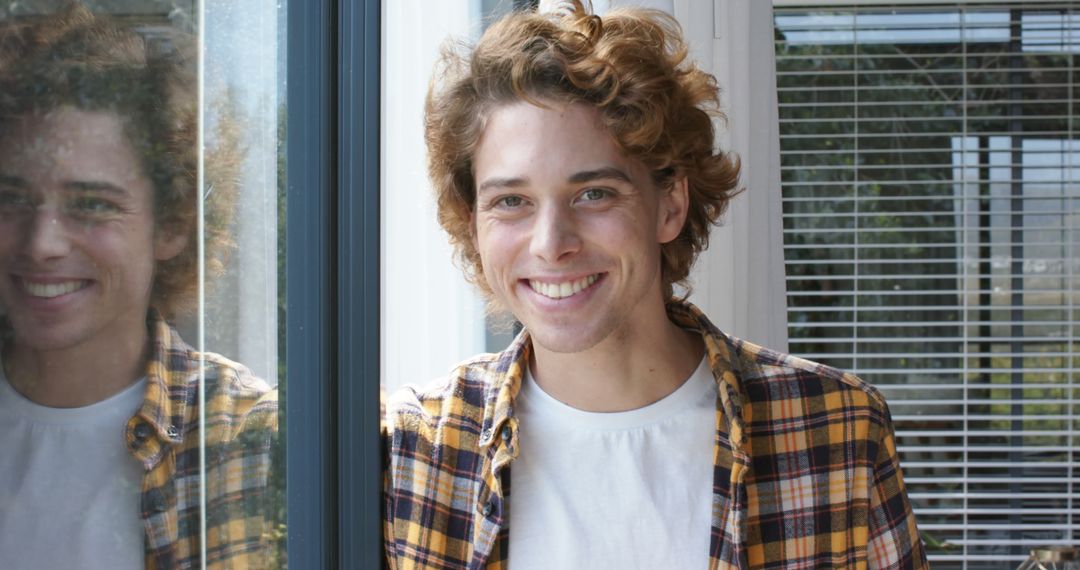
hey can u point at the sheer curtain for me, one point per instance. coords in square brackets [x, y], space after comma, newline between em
[739, 280]
[431, 317]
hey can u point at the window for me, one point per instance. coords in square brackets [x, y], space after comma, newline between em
[932, 244]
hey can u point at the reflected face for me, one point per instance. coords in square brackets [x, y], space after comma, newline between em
[568, 228]
[77, 239]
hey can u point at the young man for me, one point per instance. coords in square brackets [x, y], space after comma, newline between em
[575, 171]
[100, 431]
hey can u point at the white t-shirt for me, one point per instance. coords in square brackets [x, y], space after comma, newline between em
[69, 488]
[614, 490]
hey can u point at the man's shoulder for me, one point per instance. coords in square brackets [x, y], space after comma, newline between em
[460, 397]
[172, 356]
[767, 375]
[770, 375]
[238, 399]
[232, 379]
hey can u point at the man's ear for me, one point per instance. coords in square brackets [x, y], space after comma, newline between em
[671, 210]
[168, 243]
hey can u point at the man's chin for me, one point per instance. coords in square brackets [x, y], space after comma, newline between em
[565, 340]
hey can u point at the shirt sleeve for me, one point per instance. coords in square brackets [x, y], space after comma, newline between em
[389, 560]
[894, 541]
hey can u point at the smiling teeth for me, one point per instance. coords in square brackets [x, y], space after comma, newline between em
[562, 290]
[50, 290]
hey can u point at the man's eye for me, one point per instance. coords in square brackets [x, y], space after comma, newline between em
[594, 194]
[91, 206]
[510, 202]
[12, 199]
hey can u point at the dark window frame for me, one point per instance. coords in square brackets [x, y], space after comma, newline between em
[332, 285]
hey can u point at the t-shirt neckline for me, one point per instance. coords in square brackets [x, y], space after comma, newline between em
[117, 404]
[700, 384]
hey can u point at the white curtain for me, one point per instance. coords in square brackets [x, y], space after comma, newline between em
[431, 317]
[739, 280]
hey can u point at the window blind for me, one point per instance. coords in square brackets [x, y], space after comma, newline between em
[931, 192]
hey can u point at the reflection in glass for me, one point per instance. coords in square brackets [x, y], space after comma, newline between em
[104, 455]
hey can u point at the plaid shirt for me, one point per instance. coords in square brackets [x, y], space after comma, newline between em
[805, 467]
[241, 421]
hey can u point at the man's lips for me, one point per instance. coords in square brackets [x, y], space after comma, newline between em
[563, 289]
[48, 289]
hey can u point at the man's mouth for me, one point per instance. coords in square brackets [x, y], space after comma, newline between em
[563, 289]
[54, 289]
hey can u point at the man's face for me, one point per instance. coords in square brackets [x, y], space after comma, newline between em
[568, 228]
[77, 240]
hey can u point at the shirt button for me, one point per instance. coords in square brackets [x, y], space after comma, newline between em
[486, 434]
[172, 432]
[506, 433]
[142, 431]
[487, 509]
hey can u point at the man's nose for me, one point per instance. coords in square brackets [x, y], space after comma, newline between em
[555, 234]
[45, 235]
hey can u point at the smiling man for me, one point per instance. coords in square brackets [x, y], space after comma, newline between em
[574, 164]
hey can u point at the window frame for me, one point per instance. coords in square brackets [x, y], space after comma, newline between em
[331, 412]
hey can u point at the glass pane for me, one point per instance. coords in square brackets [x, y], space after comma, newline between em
[140, 247]
[244, 121]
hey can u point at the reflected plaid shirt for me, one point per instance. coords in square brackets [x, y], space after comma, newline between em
[241, 422]
[805, 467]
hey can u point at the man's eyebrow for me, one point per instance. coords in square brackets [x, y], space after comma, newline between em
[492, 183]
[15, 181]
[606, 173]
[95, 186]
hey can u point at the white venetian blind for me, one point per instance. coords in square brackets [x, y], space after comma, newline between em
[932, 235]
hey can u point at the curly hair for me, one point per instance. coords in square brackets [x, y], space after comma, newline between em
[77, 59]
[631, 66]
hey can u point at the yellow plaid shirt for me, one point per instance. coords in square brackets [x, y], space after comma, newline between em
[241, 422]
[805, 467]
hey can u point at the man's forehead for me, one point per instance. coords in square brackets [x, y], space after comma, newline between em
[522, 141]
[70, 149]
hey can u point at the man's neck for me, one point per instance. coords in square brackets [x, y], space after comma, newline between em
[626, 371]
[77, 376]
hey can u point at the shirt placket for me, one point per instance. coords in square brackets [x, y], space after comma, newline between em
[158, 499]
[490, 517]
[731, 464]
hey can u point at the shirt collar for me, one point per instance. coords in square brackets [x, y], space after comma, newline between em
[502, 392]
[171, 363]
[511, 363]
[720, 350]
